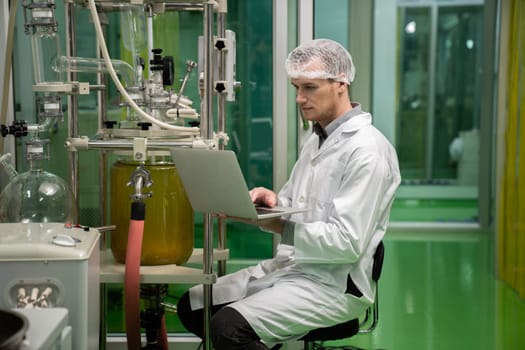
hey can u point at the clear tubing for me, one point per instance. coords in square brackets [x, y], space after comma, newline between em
[96, 65]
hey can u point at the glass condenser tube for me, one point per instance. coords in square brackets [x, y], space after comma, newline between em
[95, 65]
[45, 48]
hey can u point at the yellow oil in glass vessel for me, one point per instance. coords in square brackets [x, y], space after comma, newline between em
[168, 226]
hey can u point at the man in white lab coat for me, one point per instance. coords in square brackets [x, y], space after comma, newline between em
[346, 175]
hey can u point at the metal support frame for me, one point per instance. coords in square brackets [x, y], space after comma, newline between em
[71, 49]
[206, 133]
[221, 127]
[207, 128]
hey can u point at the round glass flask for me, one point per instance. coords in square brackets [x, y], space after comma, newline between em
[168, 227]
[37, 196]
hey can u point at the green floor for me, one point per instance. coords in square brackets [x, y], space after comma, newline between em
[438, 291]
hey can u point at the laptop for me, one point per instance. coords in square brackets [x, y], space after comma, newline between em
[214, 184]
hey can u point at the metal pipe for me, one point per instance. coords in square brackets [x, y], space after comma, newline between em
[208, 269]
[71, 50]
[221, 98]
[486, 174]
[189, 67]
[102, 117]
[431, 109]
[102, 202]
[183, 6]
[221, 127]
[207, 111]
[122, 144]
[109, 6]
[206, 132]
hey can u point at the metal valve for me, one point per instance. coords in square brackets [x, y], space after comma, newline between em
[140, 178]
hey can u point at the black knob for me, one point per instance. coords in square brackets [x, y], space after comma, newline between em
[144, 125]
[19, 128]
[110, 124]
[168, 72]
[220, 87]
[220, 45]
[156, 63]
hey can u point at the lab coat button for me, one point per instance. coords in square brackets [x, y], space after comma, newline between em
[301, 199]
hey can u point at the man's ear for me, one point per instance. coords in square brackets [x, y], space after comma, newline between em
[342, 87]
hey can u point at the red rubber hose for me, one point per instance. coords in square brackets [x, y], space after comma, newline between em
[132, 276]
[163, 335]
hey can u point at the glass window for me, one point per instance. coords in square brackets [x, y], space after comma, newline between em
[424, 79]
[413, 80]
[457, 94]
[438, 111]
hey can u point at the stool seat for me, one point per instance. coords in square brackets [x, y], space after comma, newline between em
[350, 328]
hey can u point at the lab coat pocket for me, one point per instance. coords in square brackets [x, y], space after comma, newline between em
[328, 179]
[327, 185]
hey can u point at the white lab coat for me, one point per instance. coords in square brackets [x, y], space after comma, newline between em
[348, 185]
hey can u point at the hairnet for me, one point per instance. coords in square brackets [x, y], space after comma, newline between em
[321, 59]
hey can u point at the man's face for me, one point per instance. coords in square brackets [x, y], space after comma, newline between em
[319, 99]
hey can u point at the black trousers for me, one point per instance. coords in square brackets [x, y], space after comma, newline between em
[229, 330]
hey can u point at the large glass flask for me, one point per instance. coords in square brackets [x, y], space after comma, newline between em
[37, 196]
[168, 227]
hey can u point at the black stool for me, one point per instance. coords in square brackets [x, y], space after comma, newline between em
[350, 328]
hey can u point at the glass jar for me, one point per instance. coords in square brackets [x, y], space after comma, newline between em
[168, 226]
